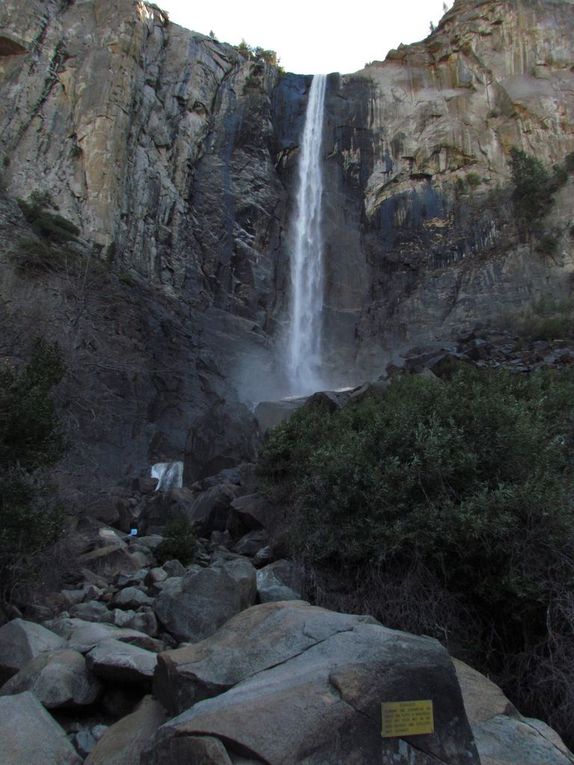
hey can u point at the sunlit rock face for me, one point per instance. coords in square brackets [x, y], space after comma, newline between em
[419, 160]
[177, 158]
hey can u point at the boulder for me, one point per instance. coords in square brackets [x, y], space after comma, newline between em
[322, 703]
[254, 511]
[83, 636]
[123, 743]
[109, 561]
[244, 575]
[196, 605]
[211, 509]
[174, 568]
[506, 740]
[143, 620]
[120, 662]
[502, 735]
[93, 611]
[28, 734]
[251, 543]
[131, 597]
[57, 678]
[255, 640]
[21, 641]
[281, 580]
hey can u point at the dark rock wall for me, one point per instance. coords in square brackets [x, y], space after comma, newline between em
[176, 157]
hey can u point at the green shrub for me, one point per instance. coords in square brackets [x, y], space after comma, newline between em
[256, 53]
[467, 478]
[34, 256]
[180, 543]
[532, 196]
[30, 441]
[47, 225]
[548, 319]
[473, 180]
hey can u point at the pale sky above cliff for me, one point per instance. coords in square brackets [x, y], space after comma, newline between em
[313, 36]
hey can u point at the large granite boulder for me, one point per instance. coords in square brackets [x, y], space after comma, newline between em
[314, 696]
[502, 735]
[123, 743]
[82, 636]
[254, 640]
[194, 606]
[28, 734]
[57, 678]
[21, 641]
[119, 662]
[211, 509]
[282, 580]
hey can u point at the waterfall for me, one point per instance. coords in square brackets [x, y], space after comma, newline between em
[305, 329]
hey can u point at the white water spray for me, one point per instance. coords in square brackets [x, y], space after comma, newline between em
[304, 342]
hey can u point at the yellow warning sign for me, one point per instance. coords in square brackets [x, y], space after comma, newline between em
[407, 718]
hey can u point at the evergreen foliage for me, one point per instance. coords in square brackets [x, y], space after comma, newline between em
[256, 53]
[532, 195]
[50, 226]
[468, 478]
[180, 543]
[30, 441]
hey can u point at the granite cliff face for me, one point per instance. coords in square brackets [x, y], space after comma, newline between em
[176, 156]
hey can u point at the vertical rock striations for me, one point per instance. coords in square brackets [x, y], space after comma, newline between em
[176, 157]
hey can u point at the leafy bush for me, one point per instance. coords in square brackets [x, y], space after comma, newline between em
[473, 180]
[180, 543]
[548, 319]
[256, 53]
[532, 196]
[34, 257]
[467, 478]
[47, 225]
[30, 440]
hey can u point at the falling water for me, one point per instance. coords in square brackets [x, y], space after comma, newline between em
[304, 350]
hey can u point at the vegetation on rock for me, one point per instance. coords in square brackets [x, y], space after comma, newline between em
[462, 485]
[180, 542]
[533, 192]
[45, 224]
[256, 53]
[30, 441]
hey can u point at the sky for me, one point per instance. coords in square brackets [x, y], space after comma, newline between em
[313, 36]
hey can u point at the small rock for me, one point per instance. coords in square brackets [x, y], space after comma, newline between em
[93, 611]
[263, 557]
[131, 597]
[174, 568]
[155, 575]
[84, 741]
[83, 636]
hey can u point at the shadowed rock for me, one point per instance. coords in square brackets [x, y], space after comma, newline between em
[322, 702]
[28, 734]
